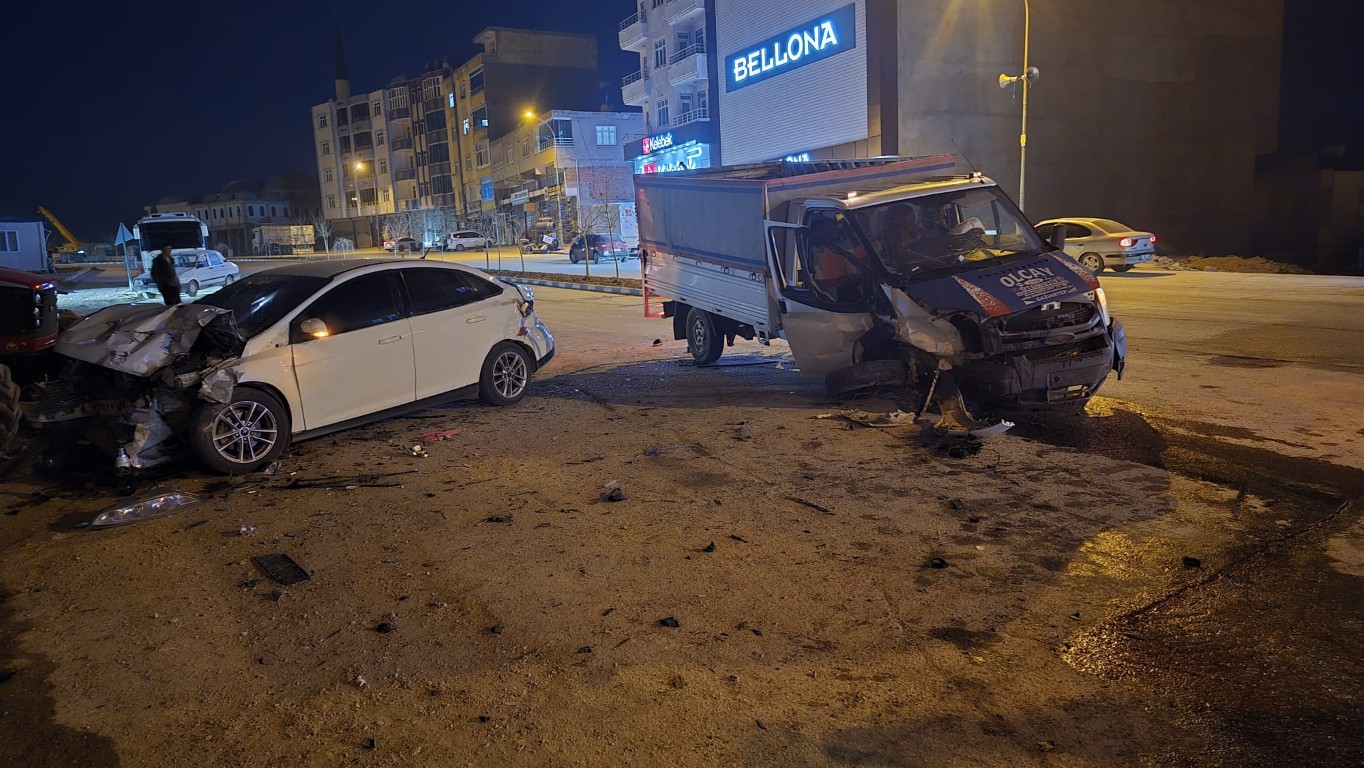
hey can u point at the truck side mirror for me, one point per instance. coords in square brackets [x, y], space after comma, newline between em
[314, 328]
[1058, 237]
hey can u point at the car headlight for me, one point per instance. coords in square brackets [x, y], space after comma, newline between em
[158, 502]
[1099, 297]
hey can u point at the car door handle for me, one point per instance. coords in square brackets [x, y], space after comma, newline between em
[390, 339]
[475, 319]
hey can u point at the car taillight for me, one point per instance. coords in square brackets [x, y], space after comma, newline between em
[1127, 242]
[1153, 239]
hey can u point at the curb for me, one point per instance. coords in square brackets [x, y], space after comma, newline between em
[576, 286]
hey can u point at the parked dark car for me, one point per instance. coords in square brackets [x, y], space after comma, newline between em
[599, 247]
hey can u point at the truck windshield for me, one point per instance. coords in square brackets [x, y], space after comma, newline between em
[946, 232]
[176, 234]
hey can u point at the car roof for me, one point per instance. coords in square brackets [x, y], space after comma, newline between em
[332, 267]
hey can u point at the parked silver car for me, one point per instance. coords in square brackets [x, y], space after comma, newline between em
[1099, 243]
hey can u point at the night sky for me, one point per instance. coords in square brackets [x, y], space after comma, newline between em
[117, 105]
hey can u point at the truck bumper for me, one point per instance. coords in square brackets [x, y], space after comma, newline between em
[1048, 377]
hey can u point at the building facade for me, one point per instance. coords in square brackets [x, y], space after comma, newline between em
[23, 244]
[233, 213]
[423, 144]
[675, 85]
[1150, 115]
[563, 171]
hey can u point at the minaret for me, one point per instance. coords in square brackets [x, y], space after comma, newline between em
[342, 79]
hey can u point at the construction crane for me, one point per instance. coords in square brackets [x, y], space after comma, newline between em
[72, 245]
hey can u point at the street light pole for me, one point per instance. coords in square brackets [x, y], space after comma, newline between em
[1029, 76]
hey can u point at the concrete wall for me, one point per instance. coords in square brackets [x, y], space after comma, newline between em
[1150, 112]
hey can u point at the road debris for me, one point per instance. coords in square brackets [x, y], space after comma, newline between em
[347, 482]
[281, 568]
[495, 519]
[811, 505]
[613, 492]
[709, 547]
[384, 627]
[895, 418]
[157, 502]
[937, 562]
[444, 434]
[418, 450]
[652, 451]
[1192, 562]
[669, 621]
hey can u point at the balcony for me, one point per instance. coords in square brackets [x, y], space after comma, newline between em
[404, 174]
[634, 88]
[400, 143]
[684, 10]
[688, 65]
[697, 115]
[634, 33]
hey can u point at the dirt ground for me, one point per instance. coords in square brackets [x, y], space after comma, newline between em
[779, 586]
[1252, 264]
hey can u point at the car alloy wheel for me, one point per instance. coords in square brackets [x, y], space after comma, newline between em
[459, 246]
[1092, 262]
[506, 373]
[244, 432]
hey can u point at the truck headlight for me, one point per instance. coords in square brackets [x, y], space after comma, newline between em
[1100, 298]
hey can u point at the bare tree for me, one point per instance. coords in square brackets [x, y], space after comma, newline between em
[324, 228]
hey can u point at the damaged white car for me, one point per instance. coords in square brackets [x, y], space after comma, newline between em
[289, 354]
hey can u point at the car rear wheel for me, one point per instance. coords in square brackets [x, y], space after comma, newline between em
[242, 435]
[702, 340]
[228, 280]
[459, 246]
[1092, 262]
[1124, 268]
[596, 256]
[573, 257]
[193, 288]
[505, 376]
[9, 406]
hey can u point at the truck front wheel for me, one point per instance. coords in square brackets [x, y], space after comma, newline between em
[703, 342]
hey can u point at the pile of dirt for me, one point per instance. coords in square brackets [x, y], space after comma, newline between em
[1255, 264]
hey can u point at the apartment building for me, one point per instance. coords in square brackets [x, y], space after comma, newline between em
[564, 170]
[423, 143]
[675, 85]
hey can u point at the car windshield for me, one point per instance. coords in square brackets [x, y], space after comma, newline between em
[950, 231]
[260, 301]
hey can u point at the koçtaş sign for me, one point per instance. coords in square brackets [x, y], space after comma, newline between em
[819, 39]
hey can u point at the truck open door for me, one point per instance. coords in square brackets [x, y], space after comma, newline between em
[822, 331]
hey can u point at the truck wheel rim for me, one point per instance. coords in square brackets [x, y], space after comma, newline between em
[698, 335]
[509, 374]
[244, 432]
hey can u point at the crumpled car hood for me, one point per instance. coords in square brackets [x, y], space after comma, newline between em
[138, 339]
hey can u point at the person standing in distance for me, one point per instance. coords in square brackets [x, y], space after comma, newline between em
[166, 278]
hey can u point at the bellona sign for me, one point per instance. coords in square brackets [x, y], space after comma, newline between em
[826, 36]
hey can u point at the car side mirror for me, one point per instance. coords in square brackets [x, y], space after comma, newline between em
[1058, 237]
[314, 328]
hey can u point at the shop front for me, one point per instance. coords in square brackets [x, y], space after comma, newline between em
[684, 148]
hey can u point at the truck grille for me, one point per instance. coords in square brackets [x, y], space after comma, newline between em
[1067, 316]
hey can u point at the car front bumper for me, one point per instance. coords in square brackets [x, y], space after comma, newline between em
[537, 336]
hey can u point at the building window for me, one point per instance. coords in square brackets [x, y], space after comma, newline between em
[658, 3]
[662, 113]
[383, 166]
[660, 54]
[250, 210]
[684, 106]
[322, 120]
[359, 112]
[466, 126]
[525, 147]
[376, 108]
[9, 240]
[326, 176]
[383, 194]
[480, 116]
[476, 81]
[606, 135]
[482, 153]
[286, 210]
[326, 147]
[379, 138]
[274, 211]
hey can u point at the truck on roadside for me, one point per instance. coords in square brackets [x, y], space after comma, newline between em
[283, 239]
[878, 272]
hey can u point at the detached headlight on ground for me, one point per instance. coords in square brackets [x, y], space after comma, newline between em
[156, 503]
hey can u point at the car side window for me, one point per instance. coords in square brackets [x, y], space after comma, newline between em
[1074, 231]
[431, 289]
[362, 302]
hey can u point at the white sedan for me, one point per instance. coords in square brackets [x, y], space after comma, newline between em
[308, 349]
[197, 269]
[467, 239]
[1099, 243]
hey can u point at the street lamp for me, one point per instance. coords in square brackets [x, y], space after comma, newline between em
[1029, 76]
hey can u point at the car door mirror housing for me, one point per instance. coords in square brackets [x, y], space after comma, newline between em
[314, 328]
[1058, 237]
